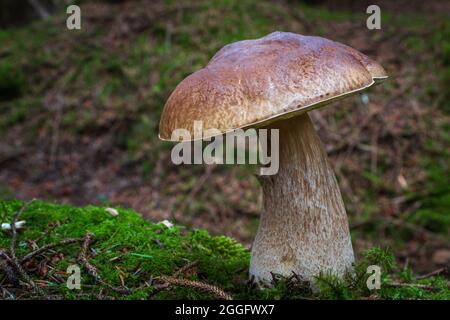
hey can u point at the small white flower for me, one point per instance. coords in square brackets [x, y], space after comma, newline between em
[112, 212]
[18, 224]
[167, 223]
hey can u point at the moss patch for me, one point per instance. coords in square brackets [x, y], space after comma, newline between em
[128, 252]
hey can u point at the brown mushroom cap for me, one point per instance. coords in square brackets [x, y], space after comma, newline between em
[253, 82]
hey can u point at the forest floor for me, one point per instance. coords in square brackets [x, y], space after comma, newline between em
[65, 252]
[79, 113]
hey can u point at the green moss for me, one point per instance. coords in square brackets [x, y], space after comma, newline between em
[394, 285]
[133, 243]
[130, 249]
[433, 213]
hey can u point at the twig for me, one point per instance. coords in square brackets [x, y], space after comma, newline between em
[208, 288]
[184, 269]
[82, 257]
[48, 247]
[410, 285]
[27, 278]
[5, 262]
[7, 294]
[91, 269]
[435, 273]
[14, 229]
[14, 260]
[169, 281]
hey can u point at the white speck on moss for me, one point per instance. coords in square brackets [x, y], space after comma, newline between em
[7, 226]
[112, 212]
[167, 223]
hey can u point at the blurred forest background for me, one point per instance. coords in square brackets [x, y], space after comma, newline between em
[79, 113]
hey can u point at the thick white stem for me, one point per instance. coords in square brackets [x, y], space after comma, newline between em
[303, 226]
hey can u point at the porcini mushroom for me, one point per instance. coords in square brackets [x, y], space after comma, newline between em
[272, 82]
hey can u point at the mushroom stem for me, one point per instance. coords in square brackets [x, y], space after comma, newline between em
[303, 226]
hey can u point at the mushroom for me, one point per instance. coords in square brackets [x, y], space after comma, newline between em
[272, 82]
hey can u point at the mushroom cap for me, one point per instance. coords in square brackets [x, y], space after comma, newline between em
[251, 83]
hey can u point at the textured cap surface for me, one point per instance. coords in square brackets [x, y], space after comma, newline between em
[254, 82]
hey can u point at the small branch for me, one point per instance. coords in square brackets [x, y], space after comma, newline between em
[169, 281]
[208, 288]
[48, 247]
[411, 285]
[6, 294]
[27, 278]
[435, 273]
[5, 266]
[91, 269]
[82, 257]
[184, 269]
[14, 261]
